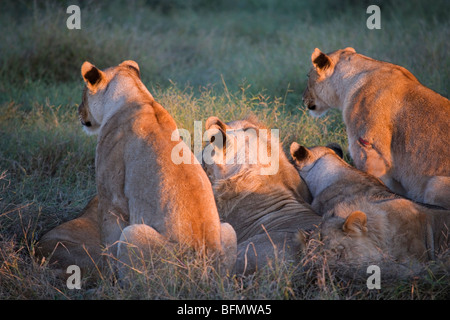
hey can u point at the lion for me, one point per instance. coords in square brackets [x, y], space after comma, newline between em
[144, 198]
[75, 242]
[265, 207]
[397, 128]
[363, 220]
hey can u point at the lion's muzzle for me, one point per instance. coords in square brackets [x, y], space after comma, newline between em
[82, 115]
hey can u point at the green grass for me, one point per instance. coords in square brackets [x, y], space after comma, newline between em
[199, 59]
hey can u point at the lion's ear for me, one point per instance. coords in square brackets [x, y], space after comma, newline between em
[91, 74]
[216, 122]
[356, 223]
[132, 65]
[321, 61]
[214, 126]
[336, 148]
[350, 49]
[299, 152]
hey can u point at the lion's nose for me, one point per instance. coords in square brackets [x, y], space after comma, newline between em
[312, 107]
[86, 124]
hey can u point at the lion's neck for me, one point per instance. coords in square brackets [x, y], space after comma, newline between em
[247, 208]
[332, 181]
[411, 236]
[348, 82]
[322, 175]
[418, 232]
[123, 95]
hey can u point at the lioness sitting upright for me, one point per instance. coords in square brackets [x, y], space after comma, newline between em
[363, 220]
[263, 198]
[143, 195]
[397, 128]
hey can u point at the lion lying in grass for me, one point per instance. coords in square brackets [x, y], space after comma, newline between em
[266, 208]
[363, 220]
[75, 242]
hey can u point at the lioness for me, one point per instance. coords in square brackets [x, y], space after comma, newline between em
[266, 208]
[143, 197]
[397, 128]
[363, 219]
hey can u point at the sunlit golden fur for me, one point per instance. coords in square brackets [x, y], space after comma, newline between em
[397, 128]
[265, 210]
[137, 181]
[363, 220]
[76, 242]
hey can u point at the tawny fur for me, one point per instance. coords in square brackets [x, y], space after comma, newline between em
[397, 128]
[137, 181]
[76, 242]
[265, 210]
[363, 219]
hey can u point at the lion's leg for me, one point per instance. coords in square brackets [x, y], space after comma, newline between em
[137, 245]
[367, 158]
[76, 242]
[437, 192]
[112, 223]
[140, 243]
[393, 185]
[229, 248]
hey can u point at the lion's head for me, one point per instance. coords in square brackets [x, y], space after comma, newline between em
[320, 93]
[104, 91]
[240, 145]
[305, 158]
[347, 240]
[244, 154]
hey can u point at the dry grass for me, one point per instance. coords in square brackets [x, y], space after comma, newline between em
[228, 59]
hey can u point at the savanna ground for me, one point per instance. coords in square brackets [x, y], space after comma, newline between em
[198, 58]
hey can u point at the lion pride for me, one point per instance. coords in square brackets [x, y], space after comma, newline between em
[397, 128]
[144, 198]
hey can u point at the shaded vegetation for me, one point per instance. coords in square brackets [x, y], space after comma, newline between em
[198, 58]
